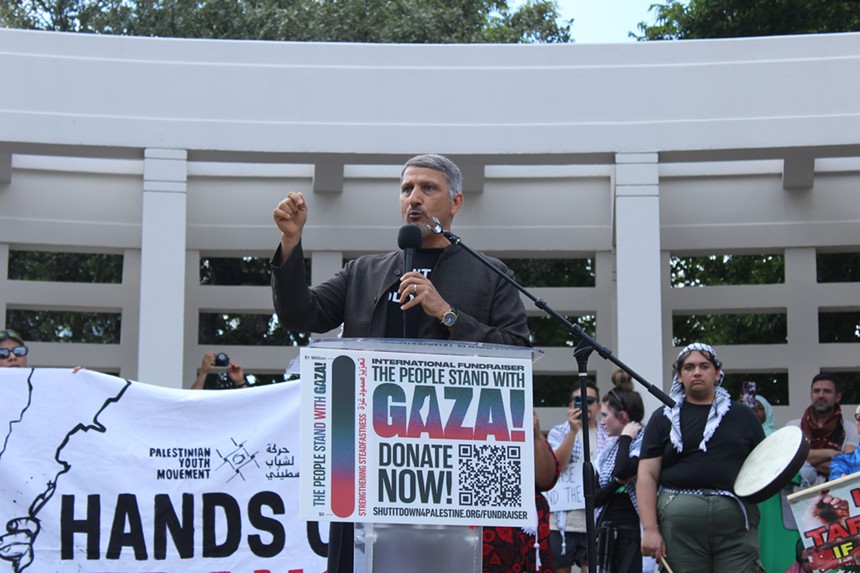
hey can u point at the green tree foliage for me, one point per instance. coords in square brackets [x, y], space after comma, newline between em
[244, 271]
[722, 329]
[838, 267]
[373, 21]
[727, 270]
[547, 331]
[838, 326]
[553, 272]
[247, 330]
[65, 267]
[66, 326]
[676, 20]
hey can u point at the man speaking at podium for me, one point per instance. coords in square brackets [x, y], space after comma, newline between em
[445, 295]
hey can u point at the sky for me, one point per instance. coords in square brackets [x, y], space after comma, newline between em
[605, 21]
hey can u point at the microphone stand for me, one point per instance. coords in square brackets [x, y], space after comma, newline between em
[584, 347]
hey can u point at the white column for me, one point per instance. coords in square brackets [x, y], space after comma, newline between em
[637, 247]
[802, 318]
[162, 268]
[4, 277]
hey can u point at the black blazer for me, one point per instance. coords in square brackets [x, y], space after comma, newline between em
[489, 309]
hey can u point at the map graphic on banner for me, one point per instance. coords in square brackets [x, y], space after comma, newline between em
[414, 437]
[100, 474]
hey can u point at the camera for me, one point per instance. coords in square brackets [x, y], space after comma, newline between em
[221, 359]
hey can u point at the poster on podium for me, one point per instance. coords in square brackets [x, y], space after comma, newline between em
[408, 434]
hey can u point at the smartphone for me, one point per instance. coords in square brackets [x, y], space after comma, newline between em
[748, 393]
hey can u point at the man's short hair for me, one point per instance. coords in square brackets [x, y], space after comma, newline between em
[589, 383]
[827, 376]
[442, 164]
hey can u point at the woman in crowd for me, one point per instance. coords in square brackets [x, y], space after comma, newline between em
[615, 500]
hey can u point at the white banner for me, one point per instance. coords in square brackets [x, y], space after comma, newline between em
[568, 492]
[397, 437]
[99, 474]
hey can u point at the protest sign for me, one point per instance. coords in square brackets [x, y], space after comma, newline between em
[416, 437]
[568, 492]
[101, 474]
[828, 518]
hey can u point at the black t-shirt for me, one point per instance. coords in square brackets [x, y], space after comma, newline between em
[736, 436]
[423, 262]
[341, 545]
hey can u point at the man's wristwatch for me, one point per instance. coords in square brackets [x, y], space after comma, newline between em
[449, 319]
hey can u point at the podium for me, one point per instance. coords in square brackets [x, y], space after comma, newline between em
[420, 444]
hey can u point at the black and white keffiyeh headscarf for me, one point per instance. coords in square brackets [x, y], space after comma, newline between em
[721, 405]
[606, 467]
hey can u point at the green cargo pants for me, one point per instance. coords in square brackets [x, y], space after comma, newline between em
[707, 534]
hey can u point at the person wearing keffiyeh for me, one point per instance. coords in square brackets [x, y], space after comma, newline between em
[567, 536]
[690, 457]
[622, 410]
[827, 432]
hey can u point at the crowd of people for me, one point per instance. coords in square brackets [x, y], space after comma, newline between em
[664, 490]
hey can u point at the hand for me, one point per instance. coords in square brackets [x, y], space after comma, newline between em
[536, 422]
[207, 363]
[829, 509]
[631, 429]
[574, 418]
[653, 544]
[417, 289]
[236, 375]
[290, 216]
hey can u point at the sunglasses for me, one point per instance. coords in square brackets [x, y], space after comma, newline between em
[17, 351]
[857, 417]
[577, 400]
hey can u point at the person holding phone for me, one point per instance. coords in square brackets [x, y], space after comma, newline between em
[567, 528]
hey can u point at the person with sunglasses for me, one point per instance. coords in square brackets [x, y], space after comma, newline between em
[622, 412]
[567, 528]
[13, 351]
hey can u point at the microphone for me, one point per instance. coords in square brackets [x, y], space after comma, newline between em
[438, 229]
[408, 239]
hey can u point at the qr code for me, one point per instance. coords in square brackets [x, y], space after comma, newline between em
[490, 475]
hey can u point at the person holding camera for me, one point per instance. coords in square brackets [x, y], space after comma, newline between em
[233, 374]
